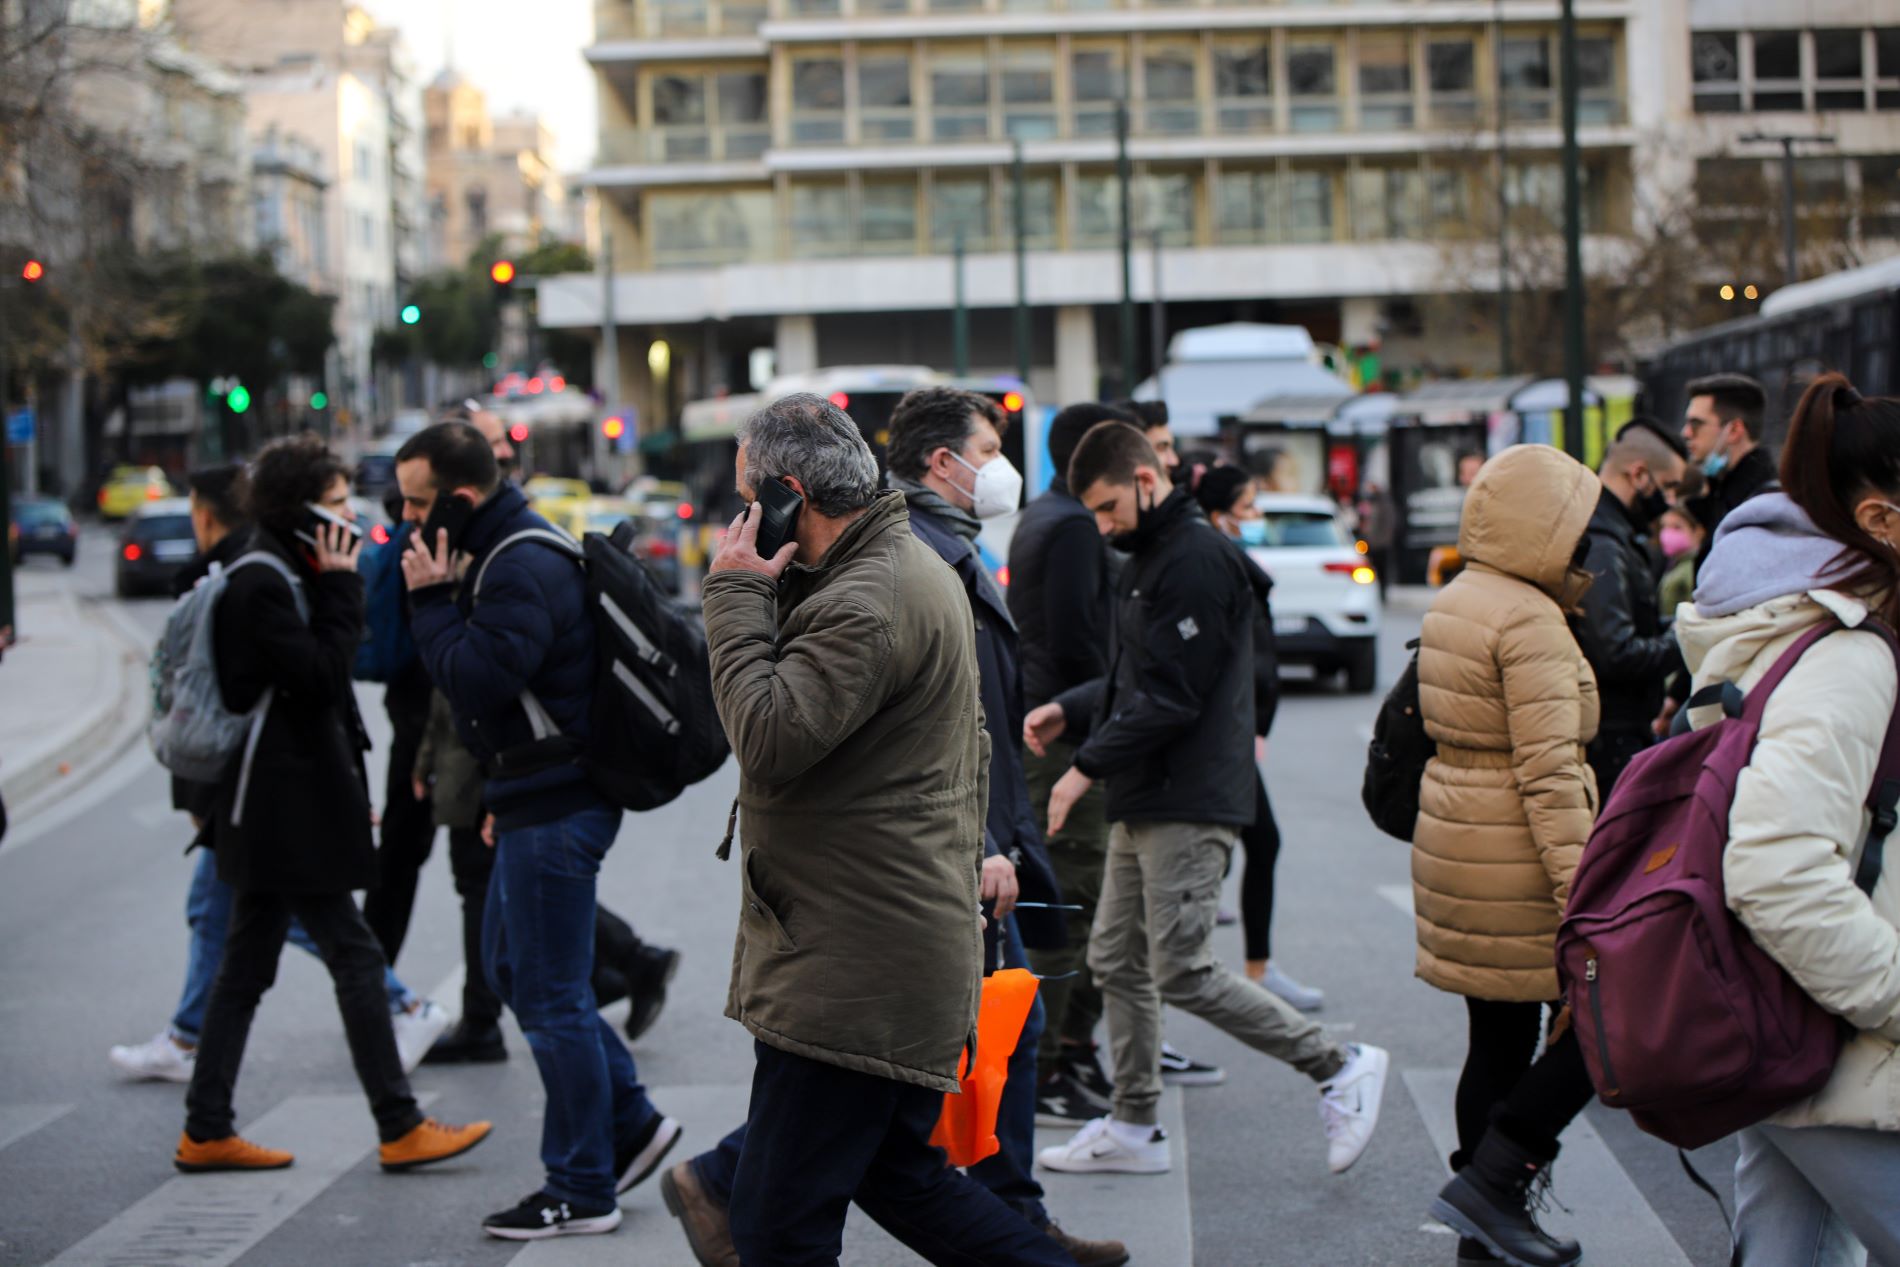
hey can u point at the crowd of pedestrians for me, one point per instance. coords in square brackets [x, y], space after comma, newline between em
[1055, 776]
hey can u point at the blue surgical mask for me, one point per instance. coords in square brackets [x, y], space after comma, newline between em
[1253, 532]
[1714, 464]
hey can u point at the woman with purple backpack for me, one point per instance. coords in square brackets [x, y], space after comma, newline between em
[1817, 1182]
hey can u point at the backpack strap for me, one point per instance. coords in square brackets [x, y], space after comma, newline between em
[1884, 800]
[282, 569]
[1757, 702]
[540, 721]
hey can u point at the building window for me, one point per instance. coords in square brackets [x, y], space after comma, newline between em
[1887, 68]
[1451, 75]
[1309, 205]
[1385, 82]
[1166, 205]
[959, 96]
[1170, 104]
[1715, 63]
[1525, 65]
[1095, 77]
[817, 101]
[1596, 81]
[710, 228]
[1243, 87]
[1097, 209]
[1029, 93]
[679, 119]
[1387, 203]
[1778, 70]
[1039, 210]
[1837, 71]
[1449, 201]
[1247, 207]
[887, 214]
[676, 17]
[885, 110]
[813, 8]
[820, 219]
[960, 205]
[743, 130]
[1313, 86]
[1880, 196]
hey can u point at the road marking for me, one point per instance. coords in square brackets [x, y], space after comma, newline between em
[1400, 895]
[1149, 1212]
[20, 1120]
[214, 1219]
[1608, 1214]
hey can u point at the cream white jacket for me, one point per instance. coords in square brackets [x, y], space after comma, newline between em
[1797, 826]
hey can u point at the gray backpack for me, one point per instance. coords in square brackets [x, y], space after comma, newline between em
[191, 732]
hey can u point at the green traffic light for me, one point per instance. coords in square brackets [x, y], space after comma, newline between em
[490, 360]
[411, 314]
[239, 399]
[319, 401]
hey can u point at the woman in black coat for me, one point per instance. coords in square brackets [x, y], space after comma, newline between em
[291, 816]
[1226, 494]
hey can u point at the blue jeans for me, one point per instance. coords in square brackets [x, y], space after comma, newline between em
[538, 949]
[1817, 1196]
[208, 912]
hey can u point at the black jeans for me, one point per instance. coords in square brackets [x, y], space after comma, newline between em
[408, 831]
[259, 924]
[472, 862]
[819, 1137]
[1609, 755]
[1531, 1103]
[616, 946]
[1262, 843]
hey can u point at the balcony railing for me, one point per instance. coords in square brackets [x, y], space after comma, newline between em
[684, 144]
[676, 19]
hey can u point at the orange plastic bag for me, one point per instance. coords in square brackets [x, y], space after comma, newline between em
[967, 1129]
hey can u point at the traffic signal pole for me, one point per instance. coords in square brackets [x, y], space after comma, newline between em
[1127, 247]
[1573, 243]
[960, 316]
[1017, 184]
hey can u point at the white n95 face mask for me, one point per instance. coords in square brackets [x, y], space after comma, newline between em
[998, 487]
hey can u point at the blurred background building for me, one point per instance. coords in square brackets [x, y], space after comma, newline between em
[488, 175]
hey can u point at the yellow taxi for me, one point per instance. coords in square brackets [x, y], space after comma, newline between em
[555, 498]
[127, 488]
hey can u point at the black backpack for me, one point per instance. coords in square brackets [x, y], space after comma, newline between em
[656, 731]
[1396, 757]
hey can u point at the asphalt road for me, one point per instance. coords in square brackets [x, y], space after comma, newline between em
[92, 948]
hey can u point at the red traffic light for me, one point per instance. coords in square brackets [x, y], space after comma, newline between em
[32, 270]
[613, 428]
[841, 400]
[502, 272]
[1013, 402]
[519, 433]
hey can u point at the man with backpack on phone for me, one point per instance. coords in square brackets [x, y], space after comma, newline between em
[518, 671]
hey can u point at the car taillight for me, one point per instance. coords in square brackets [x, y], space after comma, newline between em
[132, 552]
[72, 529]
[685, 510]
[153, 492]
[379, 534]
[102, 497]
[658, 549]
[1359, 572]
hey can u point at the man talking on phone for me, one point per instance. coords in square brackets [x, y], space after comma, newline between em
[844, 668]
[517, 669]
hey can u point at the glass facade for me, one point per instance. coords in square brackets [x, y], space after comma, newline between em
[1844, 69]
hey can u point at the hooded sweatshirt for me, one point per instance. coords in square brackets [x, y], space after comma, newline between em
[1798, 819]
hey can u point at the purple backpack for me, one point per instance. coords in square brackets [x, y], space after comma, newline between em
[1682, 1019]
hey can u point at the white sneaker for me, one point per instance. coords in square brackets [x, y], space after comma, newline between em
[1106, 1146]
[161, 1059]
[1349, 1104]
[417, 1027]
[1303, 998]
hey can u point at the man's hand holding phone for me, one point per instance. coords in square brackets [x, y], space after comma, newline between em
[337, 548]
[740, 550]
[423, 566]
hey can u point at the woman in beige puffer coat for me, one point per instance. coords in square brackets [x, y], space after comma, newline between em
[1506, 806]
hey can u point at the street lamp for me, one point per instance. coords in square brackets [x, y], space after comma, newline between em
[1791, 257]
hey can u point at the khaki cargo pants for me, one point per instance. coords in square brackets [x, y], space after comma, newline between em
[1072, 1005]
[1153, 943]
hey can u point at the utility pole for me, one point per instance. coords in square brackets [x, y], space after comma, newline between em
[1127, 249]
[1790, 250]
[1157, 317]
[1504, 200]
[1573, 243]
[960, 317]
[1017, 186]
[609, 346]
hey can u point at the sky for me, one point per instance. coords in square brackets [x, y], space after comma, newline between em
[520, 62]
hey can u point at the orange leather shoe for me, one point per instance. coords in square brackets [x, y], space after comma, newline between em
[230, 1153]
[432, 1141]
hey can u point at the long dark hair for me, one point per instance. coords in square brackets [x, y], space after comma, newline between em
[1841, 446]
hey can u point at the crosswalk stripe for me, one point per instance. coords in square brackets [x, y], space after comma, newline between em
[17, 1121]
[1608, 1214]
[213, 1219]
[1149, 1212]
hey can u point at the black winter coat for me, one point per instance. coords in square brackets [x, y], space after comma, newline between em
[1266, 649]
[1060, 591]
[1171, 726]
[1754, 473]
[1620, 629]
[296, 818]
[1010, 827]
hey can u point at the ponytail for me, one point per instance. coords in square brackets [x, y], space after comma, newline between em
[1841, 446]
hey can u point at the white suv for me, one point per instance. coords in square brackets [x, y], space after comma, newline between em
[1326, 606]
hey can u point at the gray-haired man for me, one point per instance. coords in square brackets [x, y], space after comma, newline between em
[845, 673]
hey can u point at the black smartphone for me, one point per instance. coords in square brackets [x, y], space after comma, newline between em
[315, 517]
[779, 504]
[449, 512]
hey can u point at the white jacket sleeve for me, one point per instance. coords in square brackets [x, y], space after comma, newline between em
[1797, 824]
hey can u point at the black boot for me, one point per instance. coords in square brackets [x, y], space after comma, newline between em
[649, 972]
[469, 1043]
[1470, 1251]
[1490, 1201]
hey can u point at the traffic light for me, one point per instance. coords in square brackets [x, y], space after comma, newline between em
[239, 399]
[319, 400]
[32, 271]
[502, 273]
[411, 314]
[613, 428]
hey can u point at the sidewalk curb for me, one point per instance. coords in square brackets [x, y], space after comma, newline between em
[32, 782]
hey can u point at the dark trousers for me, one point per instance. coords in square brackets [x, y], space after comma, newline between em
[408, 831]
[819, 1137]
[1610, 753]
[616, 948]
[1531, 1103]
[1262, 843]
[259, 924]
[472, 862]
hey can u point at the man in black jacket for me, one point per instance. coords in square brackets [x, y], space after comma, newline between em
[1060, 592]
[1171, 729]
[1620, 628]
[1723, 431]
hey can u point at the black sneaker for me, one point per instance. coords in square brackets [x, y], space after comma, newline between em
[1059, 1102]
[541, 1216]
[649, 972]
[1083, 1065]
[642, 1156]
[468, 1043]
[1183, 1070]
